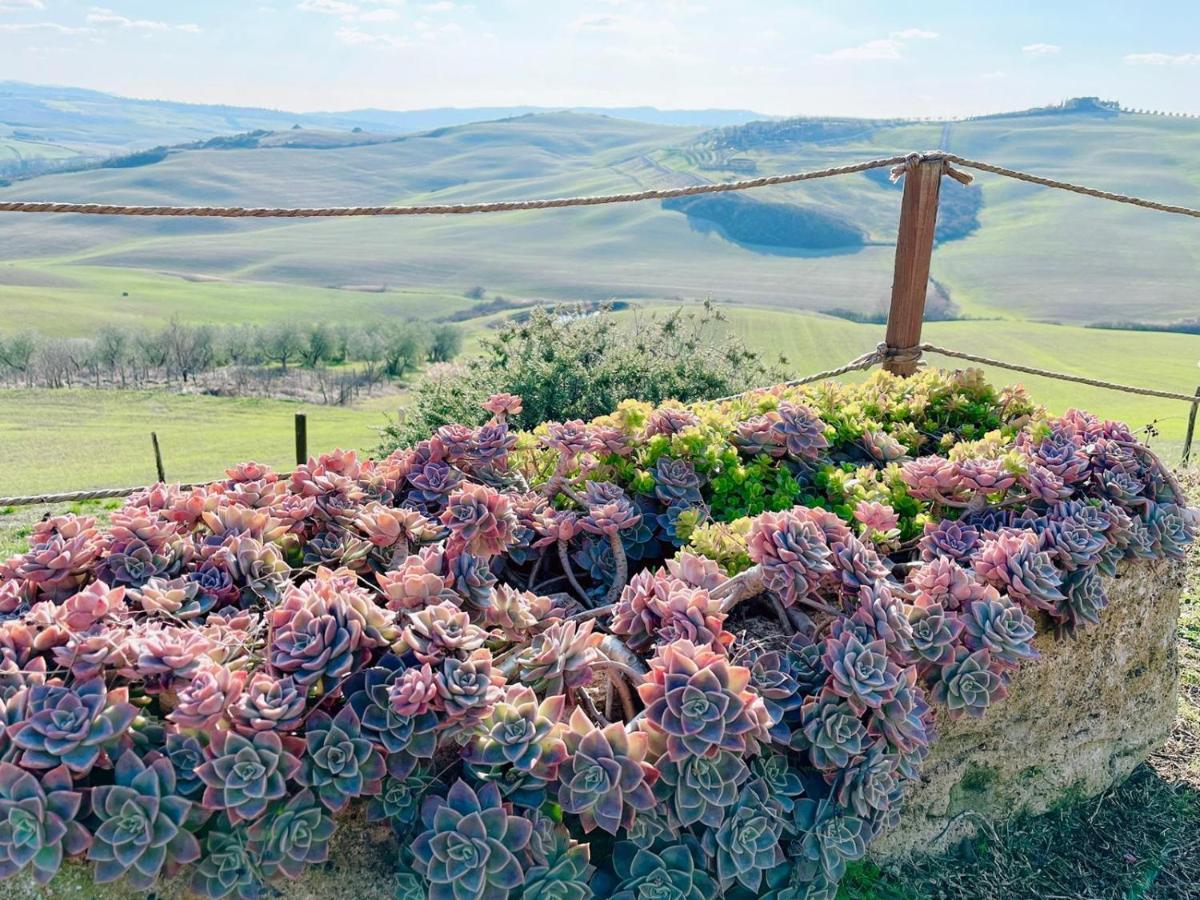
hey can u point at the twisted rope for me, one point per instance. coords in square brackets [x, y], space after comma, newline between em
[39, 499]
[859, 363]
[1067, 185]
[241, 212]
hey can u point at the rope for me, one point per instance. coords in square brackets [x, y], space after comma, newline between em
[241, 212]
[1061, 376]
[39, 499]
[860, 363]
[1068, 186]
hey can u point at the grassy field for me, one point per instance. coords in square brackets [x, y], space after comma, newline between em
[79, 439]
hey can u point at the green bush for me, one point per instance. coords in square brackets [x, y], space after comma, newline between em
[579, 363]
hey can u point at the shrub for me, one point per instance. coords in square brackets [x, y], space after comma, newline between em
[512, 646]
[578, 364]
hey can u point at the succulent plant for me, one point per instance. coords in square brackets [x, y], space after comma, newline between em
[404, 733]
[268, 704]
[70, 726]
[339, 763]
[1013, 562]
[776, 677]
[604, 780]
[969, 683]
[243, 774]
[437, 632]
[141, 824]
[467, 850]
[668, 872]
[702, 703]
[829, 836]
[831, 732]
[565, 874]
[934, 634]
[522, 733]
[746, 845]
[469, 688]
[1085, 597]
[781, 777]
[701, 788]
[399, 802]
[291, 837]
[560, 658]
[480, 520]
[37, 822]
[860, 672]
[1001, 627]
[800, 430]
[228, 866]
[793, 552]
[203, 702]
[675, 481]
[870, 785]
[186, 753]
[948, 538]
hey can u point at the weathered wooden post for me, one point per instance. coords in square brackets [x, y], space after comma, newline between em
[158, 463]
[1191, 428]
[301, 439]
[914, 247]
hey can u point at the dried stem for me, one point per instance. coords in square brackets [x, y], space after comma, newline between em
[565, 559]
[584, 699]
[620, 569]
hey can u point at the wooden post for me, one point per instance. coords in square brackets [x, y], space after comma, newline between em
[301, 439]
[914, 246]
[158, 465]
[1191, 428]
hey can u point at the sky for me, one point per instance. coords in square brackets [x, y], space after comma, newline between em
[771, 56]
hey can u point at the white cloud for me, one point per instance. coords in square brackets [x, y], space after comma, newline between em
[378, 15]
[328, 7]
[53, 27]
[1041, 49]
[993, 76]
[106, 17]
[14, 5]
[890, 47]
[356, 37]
[1163, 59]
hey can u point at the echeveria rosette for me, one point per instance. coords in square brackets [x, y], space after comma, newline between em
[399, 801]
[870, 785]
[792, 551]
[268, 704]
[1014, 563]
[935, 633]
[565, 875]
[700, 788]
[228, 867]
[403, 734]
[777, 677]
[949, 537]
[676, 482]
[70, 725]
[186, 753]
[998, 625]
[480, 519]
[800, 431]
[829, 836]
[467, 849]
[830, 731]
[671, 873]
[141, 821]
[970, 683]
[746, 845]
[243, 774]
[860, 672]
[605, 779]
[560, 659]
[702, 703]
[781, 777]
[522, 733]
[439, 631]
[37, 822]
[291, 837]
[340, 764]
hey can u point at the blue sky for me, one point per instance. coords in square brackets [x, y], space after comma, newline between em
[853, 58]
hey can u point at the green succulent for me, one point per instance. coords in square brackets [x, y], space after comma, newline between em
[292, 836]
[242, 774]
[467, 850]
[37, 821]
[669, 873]
[339, 763]
[701, 788]
[746, 845]
[829, 836]
[228, 867]
[140, 828]
[565, 875]
[399, 802]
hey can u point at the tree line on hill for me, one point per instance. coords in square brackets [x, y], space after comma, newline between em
[329, 362]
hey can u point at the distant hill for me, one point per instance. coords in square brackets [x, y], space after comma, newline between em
[1005, 248]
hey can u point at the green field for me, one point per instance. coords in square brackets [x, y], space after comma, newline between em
[78, 439]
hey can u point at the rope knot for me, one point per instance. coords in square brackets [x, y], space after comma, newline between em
[899, 354]
[912, 160]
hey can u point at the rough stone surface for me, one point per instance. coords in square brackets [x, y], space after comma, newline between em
[1075, 722]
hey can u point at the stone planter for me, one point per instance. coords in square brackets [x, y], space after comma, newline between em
[1076, 721]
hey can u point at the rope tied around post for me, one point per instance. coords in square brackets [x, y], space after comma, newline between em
[912, 160]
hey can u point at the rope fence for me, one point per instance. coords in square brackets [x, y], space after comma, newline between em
[900, 166]
[861, 363]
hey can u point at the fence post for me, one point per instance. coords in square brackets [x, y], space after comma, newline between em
[914, 246]
[1191, 429]
[301, 439]
[158, 464]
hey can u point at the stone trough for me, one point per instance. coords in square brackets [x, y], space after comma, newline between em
[1076, 721]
